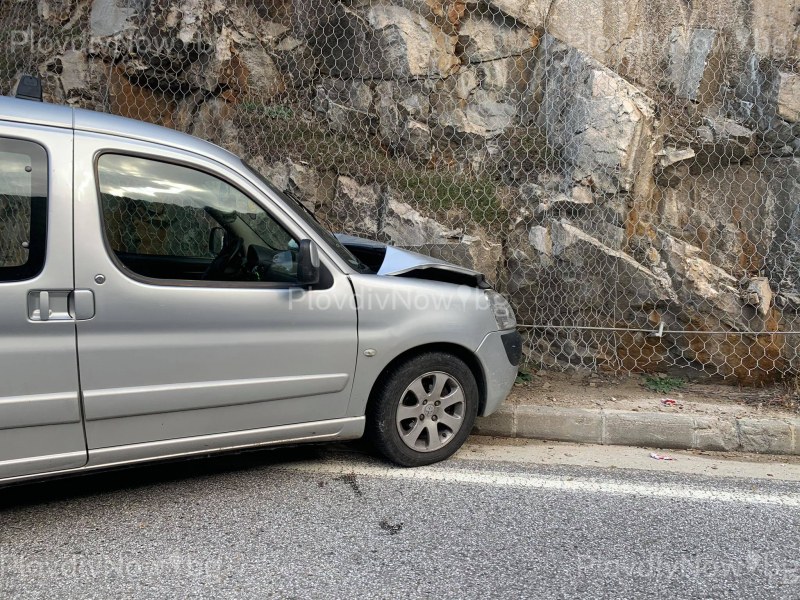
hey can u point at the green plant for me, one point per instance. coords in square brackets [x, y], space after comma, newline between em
[437, 191]
[663, 384]
[523, 377]
[529, 146]
[432, 191]
[277, 112]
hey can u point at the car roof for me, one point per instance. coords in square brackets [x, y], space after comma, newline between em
[66, 117]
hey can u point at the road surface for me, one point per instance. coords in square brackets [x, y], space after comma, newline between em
[500, 520]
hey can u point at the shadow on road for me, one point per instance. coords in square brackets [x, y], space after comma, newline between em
[155, 473]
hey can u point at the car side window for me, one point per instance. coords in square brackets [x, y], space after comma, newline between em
[23, 209]
[171, 222]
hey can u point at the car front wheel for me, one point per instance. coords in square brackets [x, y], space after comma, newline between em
[424, 410]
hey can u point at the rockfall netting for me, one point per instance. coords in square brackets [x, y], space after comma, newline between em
[626, 172]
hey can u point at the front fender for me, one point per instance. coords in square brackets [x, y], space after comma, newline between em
[396, 314]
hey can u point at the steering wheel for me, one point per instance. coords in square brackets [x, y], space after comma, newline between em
[232, 248]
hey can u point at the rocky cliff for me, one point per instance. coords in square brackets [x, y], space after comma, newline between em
[617, 167]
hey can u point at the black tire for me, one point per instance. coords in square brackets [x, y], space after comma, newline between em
[383, 429]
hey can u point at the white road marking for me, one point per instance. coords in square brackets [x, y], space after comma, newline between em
[520, 480]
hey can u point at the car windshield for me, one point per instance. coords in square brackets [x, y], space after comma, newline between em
[308, 217]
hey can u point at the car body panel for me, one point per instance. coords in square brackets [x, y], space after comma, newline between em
[104, 458]
[500, 374]
[398, 261]
[33, 114]
[397, 315]
[40, 416]
[161, 360]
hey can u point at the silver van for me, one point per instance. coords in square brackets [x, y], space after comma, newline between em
[159, 298]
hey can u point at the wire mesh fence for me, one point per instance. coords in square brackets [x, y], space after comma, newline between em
[627, 173]
[15, 218]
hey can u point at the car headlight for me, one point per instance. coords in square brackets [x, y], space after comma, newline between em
[503, 313]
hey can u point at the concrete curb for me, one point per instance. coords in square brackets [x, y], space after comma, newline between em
[647, 429]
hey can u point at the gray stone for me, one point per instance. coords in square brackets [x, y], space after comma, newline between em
[411, 46]
[404, 226]
[635, 283]
[774, 29]
[402, 109]
[346, 106]
[389, 118]
[732, 142]
[783, 220]
[789, 97]
[297, 178]
[529, 12]
[601, 124]
[484, 38]
[700, 283]
[714, 434]
[110, 17]
[264, 80]
[532, 192]
[385, 41]
[759, 295]
[795, 424]
[355, 208]
[472, 252]
[558, 272]
[500, 423]
[654, 430]
[705, 134]
[483, 117]
[559, 424]
[695, 66]
[728, 130]
[582, 194]
[212, 121]
[539, 238]
[73, 73]
[416, 140]
[669, 156]
[768, 436]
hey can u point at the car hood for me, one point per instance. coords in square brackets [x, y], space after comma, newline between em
[396, 262]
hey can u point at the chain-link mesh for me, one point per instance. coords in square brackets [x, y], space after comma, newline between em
[16, 192]
[15, 219]
[627, 172]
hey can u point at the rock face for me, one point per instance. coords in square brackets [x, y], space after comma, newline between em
[384, 41]
[789, 97]
[602, 125]
[617, 167]
[695, 64]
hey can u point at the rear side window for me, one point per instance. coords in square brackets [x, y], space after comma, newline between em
[23, 209]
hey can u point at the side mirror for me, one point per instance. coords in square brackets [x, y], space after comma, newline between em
[216, 241]
[307, 263]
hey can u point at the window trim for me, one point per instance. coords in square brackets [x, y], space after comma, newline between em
[39, 221]
[326, 275]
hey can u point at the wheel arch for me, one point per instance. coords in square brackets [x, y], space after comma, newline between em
[464, 354]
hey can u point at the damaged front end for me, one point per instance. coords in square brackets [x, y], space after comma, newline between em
[389, 261]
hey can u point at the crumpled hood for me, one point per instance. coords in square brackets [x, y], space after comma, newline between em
[397, 262]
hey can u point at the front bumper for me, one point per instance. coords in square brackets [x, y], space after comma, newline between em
[499, 354]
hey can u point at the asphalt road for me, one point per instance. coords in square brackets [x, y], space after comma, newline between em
[331, 522]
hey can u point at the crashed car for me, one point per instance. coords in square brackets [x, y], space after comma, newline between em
[159, 298]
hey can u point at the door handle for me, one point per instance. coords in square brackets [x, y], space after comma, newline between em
[60, 305]
[48, 305]
[44, 306]
[81, 305]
